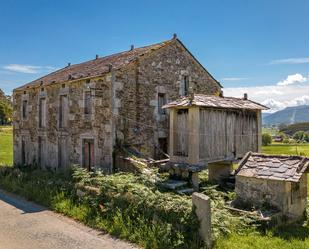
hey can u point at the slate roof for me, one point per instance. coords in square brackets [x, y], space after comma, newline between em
[101, 66]
[95, 67]
[215, 102]
[273, 167]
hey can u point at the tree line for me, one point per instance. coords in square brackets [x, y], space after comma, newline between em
[6, 109]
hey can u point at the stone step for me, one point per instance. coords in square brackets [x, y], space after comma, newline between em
[174, 184]
[185, 191]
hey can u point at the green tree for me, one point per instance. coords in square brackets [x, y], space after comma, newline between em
[306, 136]
[299, 135]
[6, 110]
[266, 139]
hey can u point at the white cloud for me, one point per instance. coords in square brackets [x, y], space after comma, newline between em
[292, 79]
[291, 61]
[233, 79]
[303, 100]
[29, 69]
[277, 96]
[274, 105]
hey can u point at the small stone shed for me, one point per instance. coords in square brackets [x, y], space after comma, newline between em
[277, 181]
[212, 131]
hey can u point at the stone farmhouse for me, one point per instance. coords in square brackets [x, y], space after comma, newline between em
[78, 114]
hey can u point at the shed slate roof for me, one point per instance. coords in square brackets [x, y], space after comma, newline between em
[273, 167]
[216, 102]
[101, 66]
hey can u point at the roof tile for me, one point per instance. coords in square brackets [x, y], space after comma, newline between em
[215, 102]
[94, 67]
[274, 167]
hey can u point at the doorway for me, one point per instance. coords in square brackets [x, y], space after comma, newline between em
[88, 154]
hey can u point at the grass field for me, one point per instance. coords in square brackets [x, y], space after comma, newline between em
[6, 145]
[287, 149]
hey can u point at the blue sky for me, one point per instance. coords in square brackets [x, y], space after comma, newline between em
[260, 47]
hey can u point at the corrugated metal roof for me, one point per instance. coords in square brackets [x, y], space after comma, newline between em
[216, 102]
[273, 167]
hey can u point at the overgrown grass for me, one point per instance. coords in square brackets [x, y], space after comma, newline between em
[130, 207]
[153, 218]
[6, 145]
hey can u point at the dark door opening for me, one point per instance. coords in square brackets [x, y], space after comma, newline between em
[162, 150]
[88, 154]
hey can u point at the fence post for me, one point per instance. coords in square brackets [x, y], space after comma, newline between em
[201, 203]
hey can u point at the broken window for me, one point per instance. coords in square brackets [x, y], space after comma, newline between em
[88, 154]
[63, 111]
[25, 104]
[161, 103]
[88, 102]
[42, 113]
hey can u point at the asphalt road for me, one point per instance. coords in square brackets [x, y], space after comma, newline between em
[25, 225]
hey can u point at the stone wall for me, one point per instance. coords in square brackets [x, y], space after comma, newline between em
[97, 126]
[139, 122]
[258, 192]
[125, 109]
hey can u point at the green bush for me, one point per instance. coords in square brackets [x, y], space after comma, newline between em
[266, 139]
[299, 135]
[130, 207]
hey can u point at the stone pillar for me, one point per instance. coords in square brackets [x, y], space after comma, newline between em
[218, 171]
[195, 181]
[193, 138]
[201, 203]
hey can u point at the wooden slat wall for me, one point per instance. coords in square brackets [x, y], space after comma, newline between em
[181, 133]
[227, 133]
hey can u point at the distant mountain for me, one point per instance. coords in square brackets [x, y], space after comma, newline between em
[289, 115]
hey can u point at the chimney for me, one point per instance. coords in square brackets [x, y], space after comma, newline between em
[174, 36]
[245, 96]
[96, 56]
[69, 64]
[132, 47]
